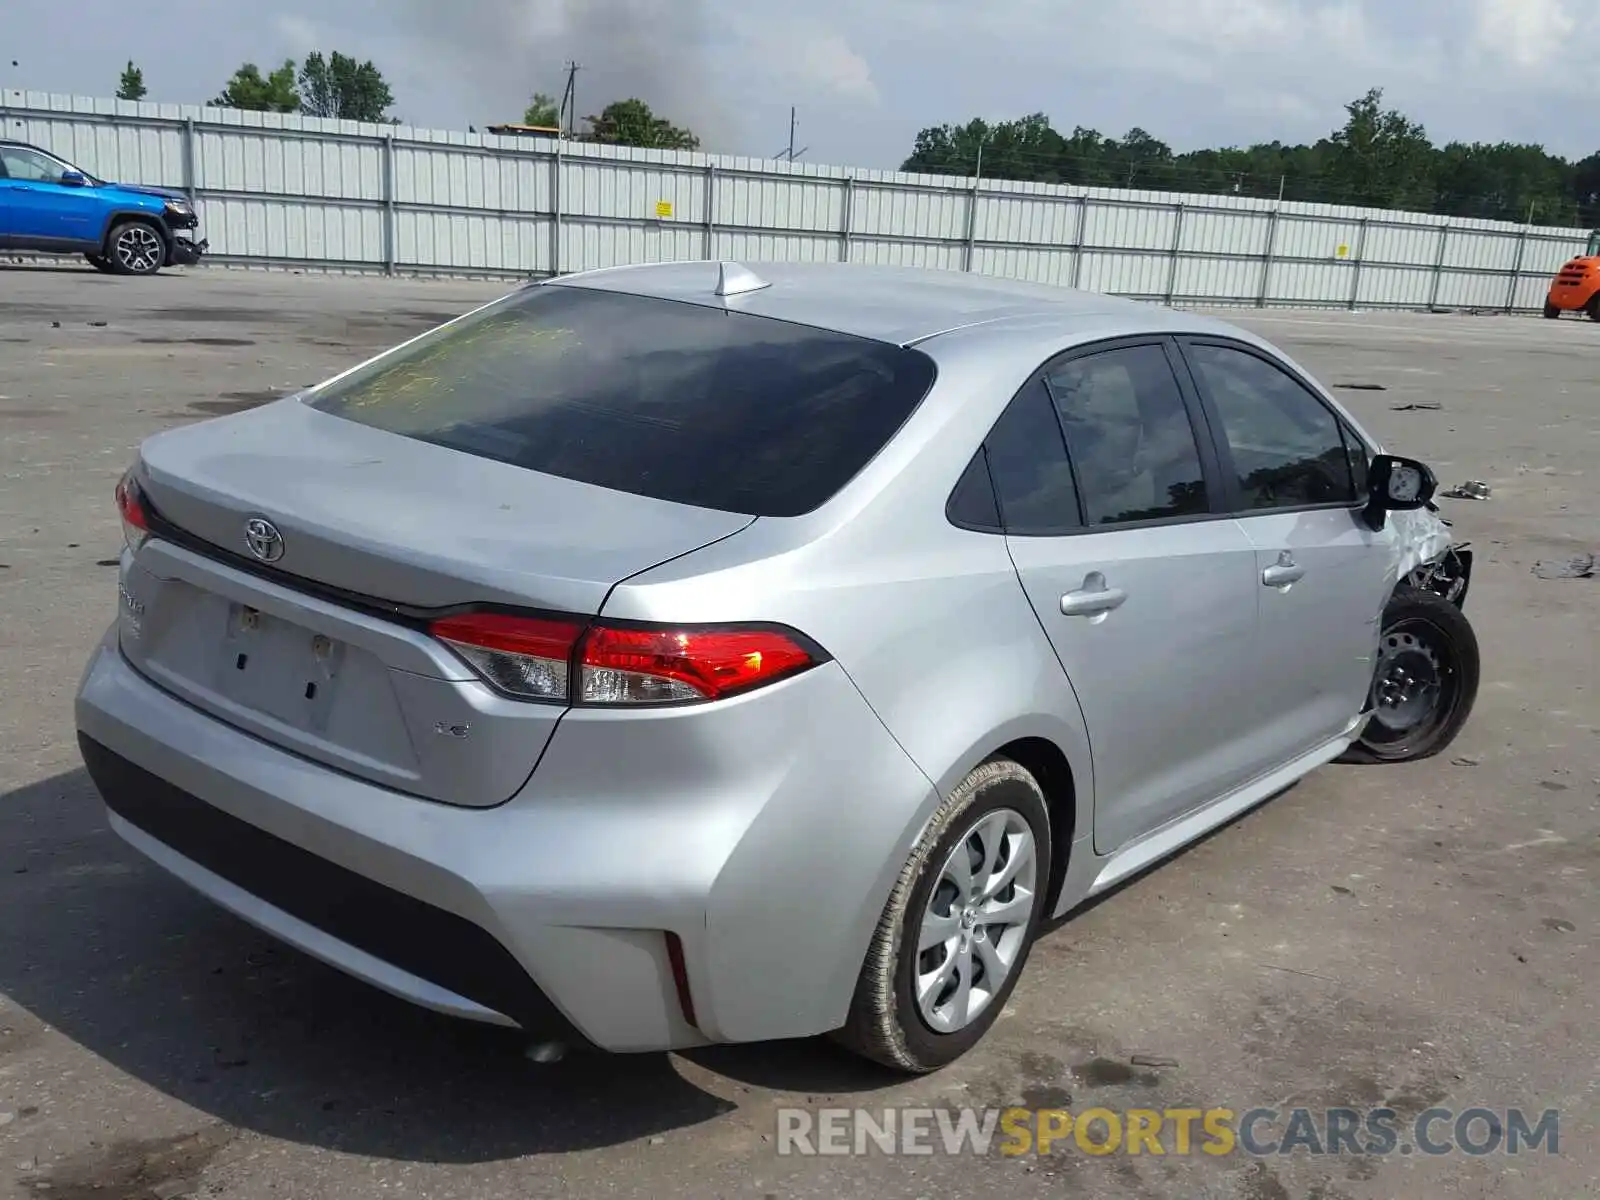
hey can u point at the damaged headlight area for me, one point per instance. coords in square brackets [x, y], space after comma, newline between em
[1431, 560]
[1447, 576]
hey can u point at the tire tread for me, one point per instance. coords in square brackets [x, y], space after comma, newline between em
[872, 1030]
[1417, 602]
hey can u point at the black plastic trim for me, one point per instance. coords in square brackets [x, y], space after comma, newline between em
[978, 477]
[427, 942]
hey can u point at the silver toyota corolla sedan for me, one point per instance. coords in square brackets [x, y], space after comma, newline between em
[713, 653]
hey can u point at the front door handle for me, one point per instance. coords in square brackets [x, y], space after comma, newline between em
[1284, 572]
[1093, 598]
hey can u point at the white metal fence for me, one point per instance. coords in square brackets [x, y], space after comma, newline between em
[279, 190]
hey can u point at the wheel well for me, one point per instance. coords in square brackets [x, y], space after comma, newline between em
[1045, 762]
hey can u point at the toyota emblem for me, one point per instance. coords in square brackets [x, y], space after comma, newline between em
[263, 539]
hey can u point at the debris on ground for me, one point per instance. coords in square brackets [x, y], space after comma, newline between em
[1154, 1061]
[1417, 406]
[1362, 387]
[1472, 489]
[1579, 566]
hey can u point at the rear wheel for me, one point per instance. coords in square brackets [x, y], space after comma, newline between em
[1425, 683]
[136, 248]
[1594, 308]
[1551, 312]
[958, 927]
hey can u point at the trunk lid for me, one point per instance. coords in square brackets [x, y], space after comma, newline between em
[280, 650]
[410, 523]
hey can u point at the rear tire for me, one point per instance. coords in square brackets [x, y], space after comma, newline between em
[1425, 681]
[1594, 308]
[1551, 312]
[136, 248]
[985, 853]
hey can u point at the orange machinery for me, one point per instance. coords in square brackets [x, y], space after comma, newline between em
[1577, 285]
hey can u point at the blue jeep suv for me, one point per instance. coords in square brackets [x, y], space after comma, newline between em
[48, 205]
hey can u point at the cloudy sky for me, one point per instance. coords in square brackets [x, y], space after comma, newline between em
[867, 74]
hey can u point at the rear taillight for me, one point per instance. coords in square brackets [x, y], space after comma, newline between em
[625, 665]
[130, 506]
[526, 657]
[540, 658]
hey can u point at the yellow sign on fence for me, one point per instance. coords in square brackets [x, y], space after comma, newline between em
[663, 210]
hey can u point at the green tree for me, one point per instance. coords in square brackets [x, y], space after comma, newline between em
[1585, 189]
[1379, 158]
[131, 86]
[247, 89]
[339, 86]
[1382, 158]
[631, 123]
[1506, 182]
[543, 111]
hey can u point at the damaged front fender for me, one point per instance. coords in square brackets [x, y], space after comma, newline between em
[1429, 558]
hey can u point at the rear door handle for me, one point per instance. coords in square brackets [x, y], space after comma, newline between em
[1284, 572]
[1093, 598]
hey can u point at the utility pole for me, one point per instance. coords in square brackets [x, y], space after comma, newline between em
[569, 99]
[791, 153]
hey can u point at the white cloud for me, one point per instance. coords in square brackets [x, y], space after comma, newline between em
[300, 35]
[809, 56]
[1529, 34]
[867, 74]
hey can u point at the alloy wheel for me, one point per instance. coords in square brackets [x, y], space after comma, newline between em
[138, 249]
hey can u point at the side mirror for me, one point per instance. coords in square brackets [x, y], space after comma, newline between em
[1396, 484]
[73, 179]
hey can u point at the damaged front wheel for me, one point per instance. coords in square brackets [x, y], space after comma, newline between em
[1425, 683]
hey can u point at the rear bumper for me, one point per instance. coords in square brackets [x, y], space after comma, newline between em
[766, 840]
[422, 953]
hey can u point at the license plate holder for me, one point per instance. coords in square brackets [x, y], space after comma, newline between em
[277, 667]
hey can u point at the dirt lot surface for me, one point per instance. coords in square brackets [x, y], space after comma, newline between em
[1414, 937]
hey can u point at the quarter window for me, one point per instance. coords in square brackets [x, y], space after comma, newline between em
[1288, 447]
[1028, 462]
[1128, 431]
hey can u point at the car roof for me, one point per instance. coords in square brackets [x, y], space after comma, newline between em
[903, 305]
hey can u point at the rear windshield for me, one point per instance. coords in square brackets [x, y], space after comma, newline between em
[660, 398]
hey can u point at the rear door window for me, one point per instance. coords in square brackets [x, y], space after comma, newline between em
[1130, 437]
[675, 401]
